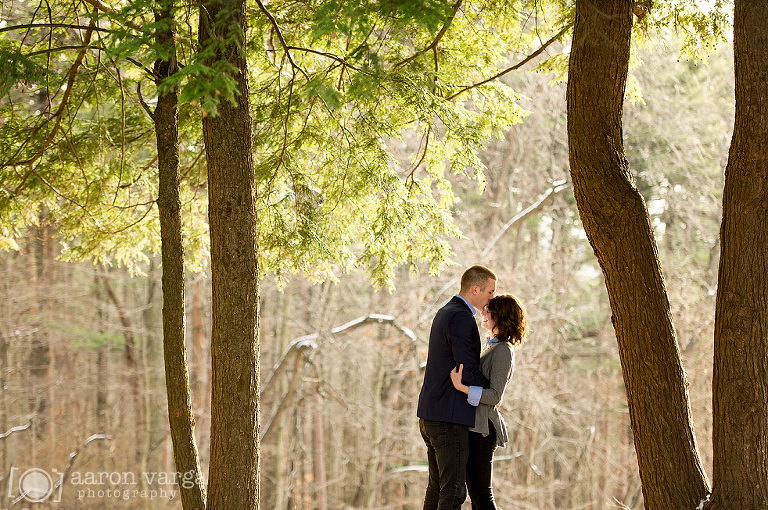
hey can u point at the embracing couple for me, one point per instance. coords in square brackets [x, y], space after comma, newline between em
[463, 386]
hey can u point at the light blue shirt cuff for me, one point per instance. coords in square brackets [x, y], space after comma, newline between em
[473, 397]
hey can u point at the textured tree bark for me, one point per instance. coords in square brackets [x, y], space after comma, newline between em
[180, 417]
[618, 227]
[740, 381]
[234, 456]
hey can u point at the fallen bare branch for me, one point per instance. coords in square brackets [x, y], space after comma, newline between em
[15, 429]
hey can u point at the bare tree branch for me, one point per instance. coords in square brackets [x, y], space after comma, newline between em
[304, 346]
[14, 429]
[300, 345]
[72, 456]
[282, 405]
[538, 205]
[130, 344]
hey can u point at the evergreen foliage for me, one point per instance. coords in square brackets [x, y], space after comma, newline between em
[362, 110]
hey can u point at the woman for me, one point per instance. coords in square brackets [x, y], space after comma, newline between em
[505, 320]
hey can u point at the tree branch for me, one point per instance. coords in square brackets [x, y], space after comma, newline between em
[298, 369]
[14, 429]
[54, 25]
[59, 112]
[516, 66]
[141, 66]
[60, 48]
[122, 131]
[70, 85]
[301, 344]
[72, 456]
[279, 33]
[96, 4]
[557, 187]
[415, 167]
[323, 54]
[304, 346]
[99, 6]
[130, 344]
[438, 38]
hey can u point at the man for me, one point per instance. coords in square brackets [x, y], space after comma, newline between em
[445, 414]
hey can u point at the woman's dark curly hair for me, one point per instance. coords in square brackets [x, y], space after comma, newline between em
[510, 318]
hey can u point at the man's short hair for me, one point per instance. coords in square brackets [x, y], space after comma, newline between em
[476, 275]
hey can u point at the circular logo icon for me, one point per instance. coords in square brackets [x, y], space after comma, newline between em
[35, 485]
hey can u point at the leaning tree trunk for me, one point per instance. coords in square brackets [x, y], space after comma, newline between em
[180, 417]
[618, 227]
[740, 383]
[233, 480]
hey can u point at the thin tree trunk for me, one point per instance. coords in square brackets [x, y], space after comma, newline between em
[180, 417]
[281, 480]
[228, 136]
[370, 481]
[40, 343]
[102, 379]
[201, 380]
[48, 261]
[152, 359]
[618, 227]
[199, 366]
[318, 450]
[285, 403]
[132, 370]
[740, 383]
[4, 407]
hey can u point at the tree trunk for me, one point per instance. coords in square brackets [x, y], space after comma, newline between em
[41, 350]
[102, 379]
[740, 385]
[152, 361]
[280, 479]
[234, 456]
[132, 370]
[201, 381]
[169, 205]
[318, 450]
[370, 480]
[4, 408]
[618, 227]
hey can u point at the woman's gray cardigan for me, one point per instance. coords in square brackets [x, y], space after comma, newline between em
[496, 363]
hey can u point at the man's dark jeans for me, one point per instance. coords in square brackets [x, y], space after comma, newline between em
[447, 453]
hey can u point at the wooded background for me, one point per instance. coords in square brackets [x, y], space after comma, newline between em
[81, 343]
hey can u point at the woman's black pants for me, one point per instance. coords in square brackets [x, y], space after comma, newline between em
[480, 469]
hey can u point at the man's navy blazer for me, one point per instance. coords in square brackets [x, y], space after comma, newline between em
[454, 340]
